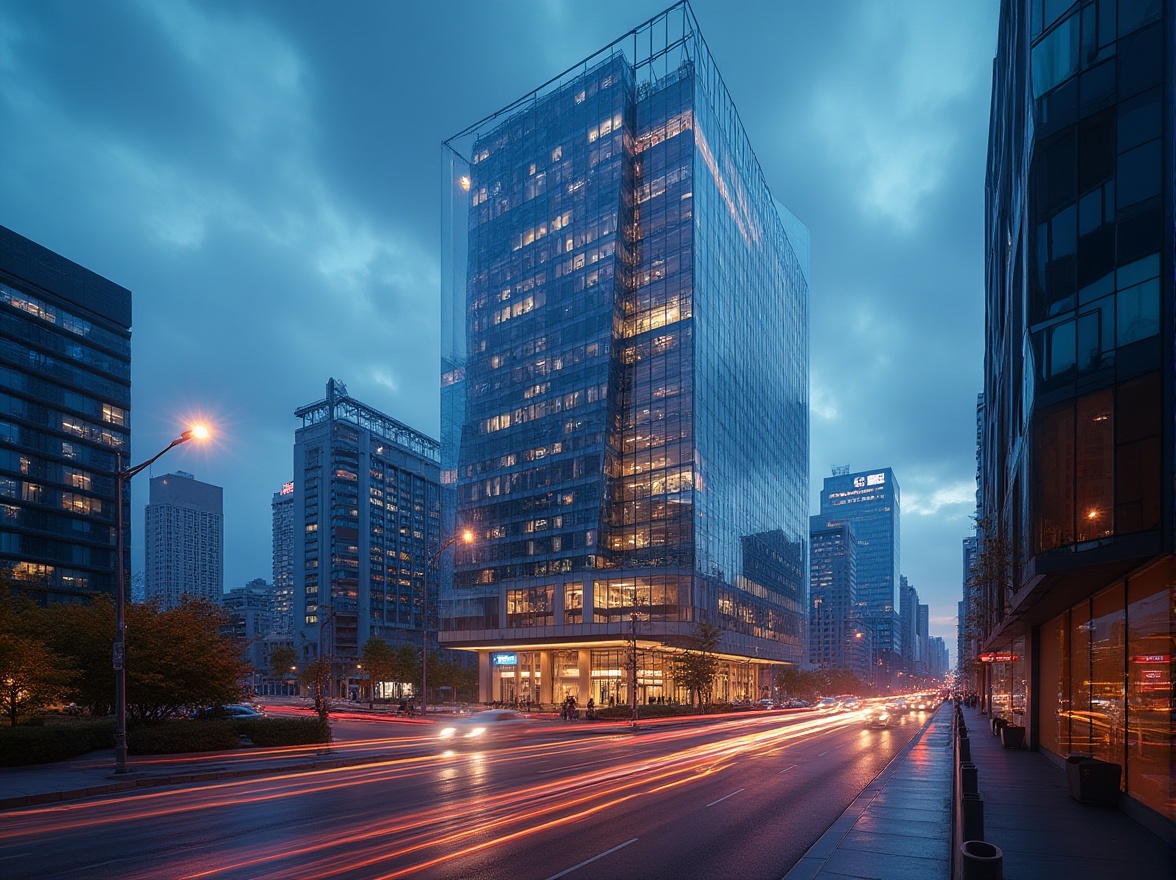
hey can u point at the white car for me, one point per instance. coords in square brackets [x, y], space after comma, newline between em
[483, 728]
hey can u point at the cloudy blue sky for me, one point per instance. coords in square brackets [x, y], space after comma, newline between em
[265, 178]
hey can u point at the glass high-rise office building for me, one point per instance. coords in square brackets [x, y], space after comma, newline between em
[1078, 441]
[870, 500]
[282, 508]
[65, 398]
[624, 381]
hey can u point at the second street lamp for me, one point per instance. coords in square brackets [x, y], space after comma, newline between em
[466, 537]
[121, 477]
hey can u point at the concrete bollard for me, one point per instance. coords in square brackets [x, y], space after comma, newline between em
[965, 749]
[969, 778]
[981, 861]
[972, 818]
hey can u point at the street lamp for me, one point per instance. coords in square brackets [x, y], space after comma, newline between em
[466, 537]
[121, 477]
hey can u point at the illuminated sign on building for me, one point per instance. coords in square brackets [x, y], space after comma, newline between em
[287, 488]
[994, 657]
[510, 659]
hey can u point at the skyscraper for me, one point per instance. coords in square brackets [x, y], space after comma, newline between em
[624, 381]
[870, 501]
[367, 514]
[184, 540]
[282, 508]
[1076, 540]
[65, 345]
[835, 625]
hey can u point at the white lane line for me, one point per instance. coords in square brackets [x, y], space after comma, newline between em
[724, 797]
[607, 852]
[789, 767]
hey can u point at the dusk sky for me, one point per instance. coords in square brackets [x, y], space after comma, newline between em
[265, 177]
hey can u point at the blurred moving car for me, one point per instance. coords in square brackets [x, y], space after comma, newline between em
[849, 704]
[878, 717]
[484, 728]
[230, 712]
[829, 704]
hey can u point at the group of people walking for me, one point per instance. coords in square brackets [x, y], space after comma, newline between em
[569, 711]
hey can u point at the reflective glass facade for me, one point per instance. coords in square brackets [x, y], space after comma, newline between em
[870, 501]
[65, 398]
[624, 364]
[1077, 433]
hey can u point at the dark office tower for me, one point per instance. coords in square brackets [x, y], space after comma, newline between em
[624, 385]
[1078, 384]
[282, 508]
[870, 501]
[908, 605]
[838, 638]
[65, 384]
[367, 517]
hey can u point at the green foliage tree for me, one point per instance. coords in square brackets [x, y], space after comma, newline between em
[379, 661]
[406, 666]
[804, 684]
[316, 676]
[32, 678]
[175, 659]
[461, 680]
[696, 667]
[282, 659]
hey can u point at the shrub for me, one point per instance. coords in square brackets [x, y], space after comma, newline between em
[178, 736]
[35, 744]
[284, 731]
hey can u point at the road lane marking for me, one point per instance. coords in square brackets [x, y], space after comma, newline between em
[789, 767]
[724, 797]
[607, 852]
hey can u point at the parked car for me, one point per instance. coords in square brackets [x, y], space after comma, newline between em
[230, 712]
[484, 728]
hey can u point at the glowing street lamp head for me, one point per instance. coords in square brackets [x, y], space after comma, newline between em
[199, 432]
[467, 536]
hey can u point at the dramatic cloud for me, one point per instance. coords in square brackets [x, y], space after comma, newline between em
[264, 177]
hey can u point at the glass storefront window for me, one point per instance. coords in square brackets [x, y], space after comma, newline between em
[1151, 602]
[1052, 724]
[1108, 627]
[1081, 731]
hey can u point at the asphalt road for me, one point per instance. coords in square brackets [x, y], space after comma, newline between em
[740, 798]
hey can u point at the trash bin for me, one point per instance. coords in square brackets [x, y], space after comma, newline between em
[981, 861]
[1012, 736]
[1092, 780]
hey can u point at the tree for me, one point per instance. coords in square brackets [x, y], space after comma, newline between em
[804, 684]
[379, 659]
[316, 675]
[31, 677]
[696, 667]
[406, 666]
[175, 659]
[282, 659]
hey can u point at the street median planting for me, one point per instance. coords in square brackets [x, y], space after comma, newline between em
[42, 744]
[284, 731]
[179, 735]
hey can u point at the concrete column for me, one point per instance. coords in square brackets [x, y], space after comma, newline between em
[584, 664]
[485, 677]
[546, 678]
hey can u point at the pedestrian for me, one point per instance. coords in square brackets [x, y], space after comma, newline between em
[591, 708]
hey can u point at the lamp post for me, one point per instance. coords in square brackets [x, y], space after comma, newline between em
[121, 477]
[466, 537]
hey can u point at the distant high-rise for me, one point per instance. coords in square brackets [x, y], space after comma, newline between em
[184, 539]
[625, 381]
[1077, 531]
[65, 348]
[837, 632]
[367, 515]
[908, 607]
[870, 501]
[282, 508]
[252, 611]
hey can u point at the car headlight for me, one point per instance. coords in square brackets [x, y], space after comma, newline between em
[448, 732]
[477, 731]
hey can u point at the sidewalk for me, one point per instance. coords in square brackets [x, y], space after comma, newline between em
[900, 826]
[1042, 832]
